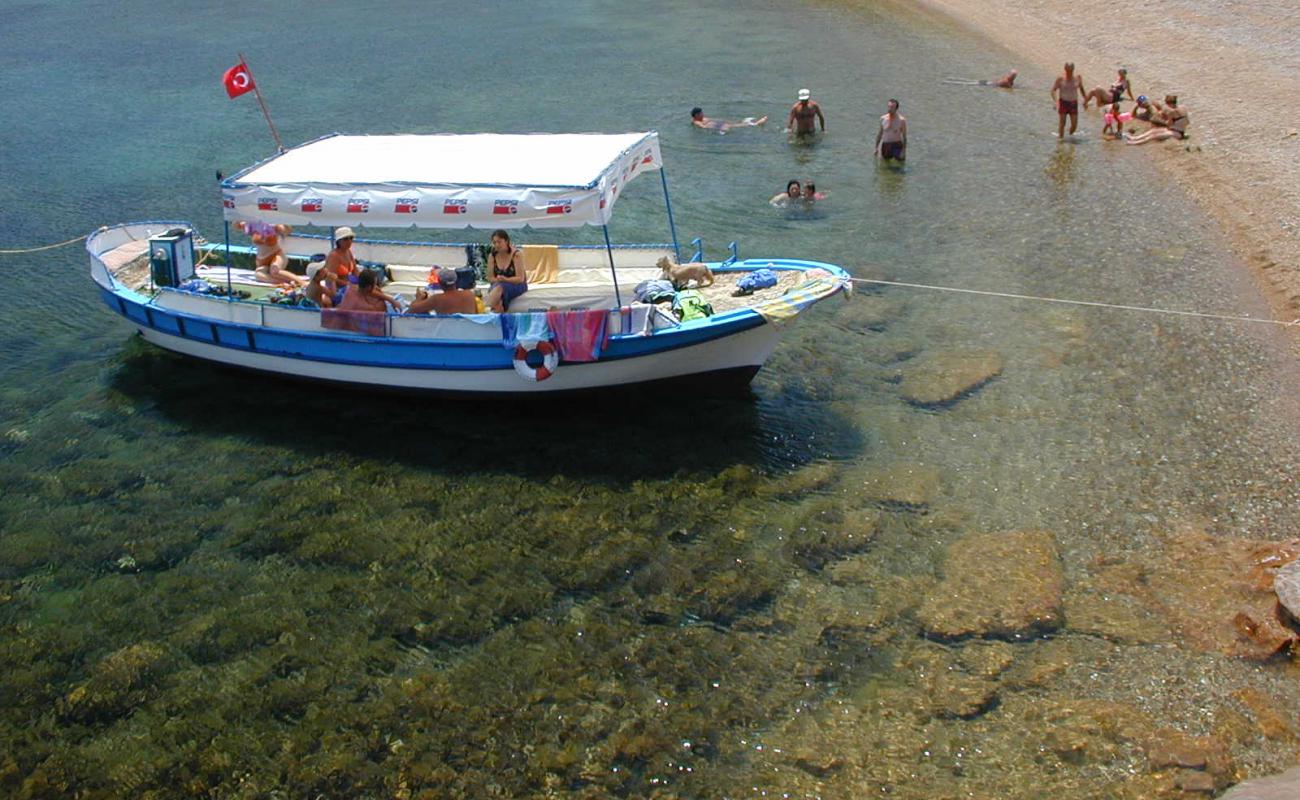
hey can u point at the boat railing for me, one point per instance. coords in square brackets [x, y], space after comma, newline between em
[698, 255]
[734, 257]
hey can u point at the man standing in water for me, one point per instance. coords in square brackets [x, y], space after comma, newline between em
[891, 139]
[1066, 91]
[803, 113]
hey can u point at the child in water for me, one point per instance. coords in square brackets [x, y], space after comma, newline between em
[1114, 127]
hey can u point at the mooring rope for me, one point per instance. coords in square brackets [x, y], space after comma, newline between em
[45, 247]
[1095, 304]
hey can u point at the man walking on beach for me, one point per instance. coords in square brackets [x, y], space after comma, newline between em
[803, 113]
[1066, 91]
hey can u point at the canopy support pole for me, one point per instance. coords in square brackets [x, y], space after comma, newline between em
[230, 295]
[609, 248]
[672, 227]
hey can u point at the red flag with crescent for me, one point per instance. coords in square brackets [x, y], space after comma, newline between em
[238, 80]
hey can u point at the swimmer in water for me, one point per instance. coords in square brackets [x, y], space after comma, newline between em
[793, 191]
[811, 194]
[722, 126]
[1007, 81]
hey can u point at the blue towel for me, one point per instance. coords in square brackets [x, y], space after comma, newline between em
[530, 327]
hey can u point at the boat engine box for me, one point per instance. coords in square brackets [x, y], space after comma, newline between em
[171, 257]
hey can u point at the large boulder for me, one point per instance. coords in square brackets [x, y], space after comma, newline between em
[998, 585]
[1285, 786]
[1286, 584]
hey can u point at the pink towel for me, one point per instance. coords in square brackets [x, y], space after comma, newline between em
[580, 335]
[370, 323]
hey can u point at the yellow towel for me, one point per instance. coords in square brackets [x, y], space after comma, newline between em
[542, 262]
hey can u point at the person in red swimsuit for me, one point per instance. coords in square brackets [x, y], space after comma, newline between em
[1066, 91]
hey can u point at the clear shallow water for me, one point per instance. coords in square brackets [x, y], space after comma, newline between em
[216, 583]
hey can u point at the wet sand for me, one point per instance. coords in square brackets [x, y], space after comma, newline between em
[1229, 62]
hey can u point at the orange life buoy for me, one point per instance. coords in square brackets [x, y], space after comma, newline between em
[545, 360]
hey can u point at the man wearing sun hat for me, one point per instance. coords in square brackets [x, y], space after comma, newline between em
[341, 262]
[803, 113]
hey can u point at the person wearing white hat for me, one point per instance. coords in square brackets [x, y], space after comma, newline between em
[341, 263]
[803, 113]
[320, 285]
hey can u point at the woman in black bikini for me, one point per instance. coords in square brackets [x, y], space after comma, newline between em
[1114, 94]
[506, 273]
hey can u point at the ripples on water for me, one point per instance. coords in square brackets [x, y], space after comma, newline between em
[215, 584]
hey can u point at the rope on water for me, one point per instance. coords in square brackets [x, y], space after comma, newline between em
[1078, 302]
[44, 247]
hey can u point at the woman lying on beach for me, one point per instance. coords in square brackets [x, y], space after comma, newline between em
[1174, 118]
[1114, 94]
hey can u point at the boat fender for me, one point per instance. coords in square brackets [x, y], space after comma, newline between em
[537, 363]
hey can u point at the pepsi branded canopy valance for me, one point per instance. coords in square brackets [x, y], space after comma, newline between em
[482, 180]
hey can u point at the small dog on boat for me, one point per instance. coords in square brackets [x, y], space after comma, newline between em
[681, 274]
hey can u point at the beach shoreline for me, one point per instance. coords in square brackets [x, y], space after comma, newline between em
[1227, 62]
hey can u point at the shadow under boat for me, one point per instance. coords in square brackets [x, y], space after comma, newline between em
[642, 431]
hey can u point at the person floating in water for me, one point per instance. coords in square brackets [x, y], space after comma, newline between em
[1007, 81]
[810, 193]
[793, 191]
[722, 126]
[891, 139]
[804, 115]
[1066, 90]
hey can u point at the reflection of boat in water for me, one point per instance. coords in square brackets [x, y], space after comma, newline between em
[591, 336]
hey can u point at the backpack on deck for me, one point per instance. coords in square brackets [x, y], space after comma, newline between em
[689, 304]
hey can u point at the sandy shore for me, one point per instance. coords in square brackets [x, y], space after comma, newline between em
[1235, 65]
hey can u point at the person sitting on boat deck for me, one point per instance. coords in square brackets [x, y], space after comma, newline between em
[364, 295]
[722, 126]
[793, 191]
[320, 285]
[271, 265]
[448, 301]
[1174, 119]
[341, 262]
[506, 272]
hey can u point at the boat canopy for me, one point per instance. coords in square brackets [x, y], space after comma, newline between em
[482, 180]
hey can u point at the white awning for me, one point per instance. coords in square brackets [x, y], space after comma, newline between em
[482, 180]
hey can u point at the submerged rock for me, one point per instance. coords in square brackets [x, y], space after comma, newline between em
[1218, 593]
[1002, 585]
[945, 377]
[900, 485]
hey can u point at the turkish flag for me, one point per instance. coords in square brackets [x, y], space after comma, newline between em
[238, 80]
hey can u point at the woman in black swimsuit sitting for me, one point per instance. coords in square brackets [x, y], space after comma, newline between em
[505, 272]
[1114, 94]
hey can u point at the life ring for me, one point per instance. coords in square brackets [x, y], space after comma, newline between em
[536, 364]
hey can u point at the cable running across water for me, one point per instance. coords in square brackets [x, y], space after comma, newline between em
[45, 247]
[1077, 302]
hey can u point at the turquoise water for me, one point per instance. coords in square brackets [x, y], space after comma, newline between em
[212, 584]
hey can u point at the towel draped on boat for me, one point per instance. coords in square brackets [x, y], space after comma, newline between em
[541, 262]
[579, 335]
[524, 328]
[370, 323]
[800, 296]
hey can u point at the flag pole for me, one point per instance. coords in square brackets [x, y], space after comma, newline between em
[278, 144]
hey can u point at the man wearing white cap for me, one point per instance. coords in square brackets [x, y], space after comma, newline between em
[340, 261]
[803, 113]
